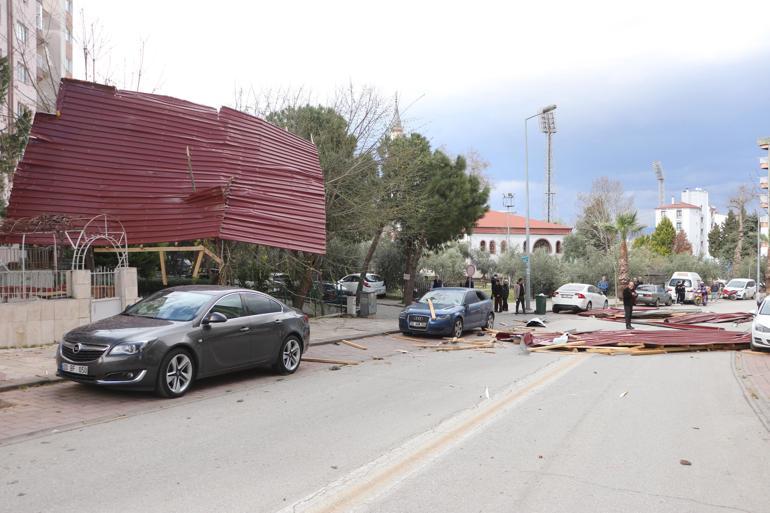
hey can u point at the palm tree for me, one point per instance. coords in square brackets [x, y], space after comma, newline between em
[625, 226]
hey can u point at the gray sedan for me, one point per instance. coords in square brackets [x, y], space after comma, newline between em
[181, 334]
[654, 295]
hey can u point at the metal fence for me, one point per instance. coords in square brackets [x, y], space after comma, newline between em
[17, 258]
[25, 285]
[102, 283]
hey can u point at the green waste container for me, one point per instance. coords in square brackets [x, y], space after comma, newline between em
[540, 300]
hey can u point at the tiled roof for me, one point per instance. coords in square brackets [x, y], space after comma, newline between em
[494, 220]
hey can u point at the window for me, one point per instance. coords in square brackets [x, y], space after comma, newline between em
[230, 306]
[662, 213]
[22, 75]
[68, 66]
[20, 109]
[39, 15]
[492, 247]
[503, 247]
[257, 304]
[558, 246]
[678, 226]
[483, 246]
[68, 5]
[69, 35]
[21, 33]
[678, 214]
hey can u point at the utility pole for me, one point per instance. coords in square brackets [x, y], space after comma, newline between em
[548, 127]
[508, 204]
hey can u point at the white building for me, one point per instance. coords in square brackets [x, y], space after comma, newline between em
[496, 232]
[693, 215]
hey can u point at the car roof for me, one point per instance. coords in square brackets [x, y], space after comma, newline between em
[212, 290]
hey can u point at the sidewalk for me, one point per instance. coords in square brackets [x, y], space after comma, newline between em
[34, 366]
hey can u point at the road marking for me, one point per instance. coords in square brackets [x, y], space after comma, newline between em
[353, 491]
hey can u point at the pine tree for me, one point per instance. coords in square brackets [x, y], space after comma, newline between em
[662, 239]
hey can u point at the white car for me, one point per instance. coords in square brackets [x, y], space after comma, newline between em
[578, 296]
[740, 288]
[760, 328]
[690, 282]
[372, 284]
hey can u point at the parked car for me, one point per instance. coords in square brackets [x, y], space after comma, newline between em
[740, 288]
[372, 283]
[578, 296]
[760, 328]
[691, 282]
[457, 309]
[178, 335]
[654, 295]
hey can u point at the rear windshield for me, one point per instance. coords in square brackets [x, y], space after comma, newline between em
[647, 287]
[674, 281]
[571, 288]
[373, 277]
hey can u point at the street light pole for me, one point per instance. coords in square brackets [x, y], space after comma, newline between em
[527, 243]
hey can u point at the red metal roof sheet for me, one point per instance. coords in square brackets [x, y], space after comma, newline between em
[123, 153]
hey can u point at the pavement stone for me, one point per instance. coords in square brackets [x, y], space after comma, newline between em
[753, 372]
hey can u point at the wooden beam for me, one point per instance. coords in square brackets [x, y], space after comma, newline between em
[197, 267]
[213, 256]
[163, 276]
[353, 344]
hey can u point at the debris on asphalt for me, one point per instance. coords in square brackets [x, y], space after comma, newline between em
[685, 462]
[486, 392]
[536, 322]
[335, 368]
[353, 344]
[327, 360]
[622, 395]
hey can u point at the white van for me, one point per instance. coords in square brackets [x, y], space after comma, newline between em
[691, 282]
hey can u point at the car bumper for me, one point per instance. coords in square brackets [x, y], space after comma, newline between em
[760, 340]
[131, 371]
[574, 304]
[434, 327]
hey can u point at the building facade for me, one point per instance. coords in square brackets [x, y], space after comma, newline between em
[693, 215]
[764, 221]
[499, 232]
[36, 36]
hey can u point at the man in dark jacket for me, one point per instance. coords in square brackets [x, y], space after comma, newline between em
[629, 298]
[497, 294]
[520, 296]
[506, 290]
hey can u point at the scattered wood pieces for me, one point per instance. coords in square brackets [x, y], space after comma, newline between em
[328, 360]
[353, 344]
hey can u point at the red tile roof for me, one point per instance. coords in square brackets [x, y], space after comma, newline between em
[677, 205]
[123, 153]
[499, 222]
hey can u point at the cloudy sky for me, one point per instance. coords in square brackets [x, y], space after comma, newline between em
[682, 82]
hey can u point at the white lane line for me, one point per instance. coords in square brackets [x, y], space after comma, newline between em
[352, 492]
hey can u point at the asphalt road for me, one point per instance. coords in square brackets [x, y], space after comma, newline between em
[461, 431]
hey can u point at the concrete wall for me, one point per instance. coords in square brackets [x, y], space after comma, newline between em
[44, 321]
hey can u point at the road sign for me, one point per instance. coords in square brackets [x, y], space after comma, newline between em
[470, 270]
[524, 258]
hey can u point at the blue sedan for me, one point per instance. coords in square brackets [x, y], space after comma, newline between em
[456, 310]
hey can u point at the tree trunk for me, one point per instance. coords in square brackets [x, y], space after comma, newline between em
[623, 264]
[368, 260]
[411, 257]
[739, 245]
[311, 263]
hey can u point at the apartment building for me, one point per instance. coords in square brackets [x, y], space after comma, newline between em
[36, 36]
[693, 215]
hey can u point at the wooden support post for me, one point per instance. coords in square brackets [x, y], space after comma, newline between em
[197, 268]
[163, 276]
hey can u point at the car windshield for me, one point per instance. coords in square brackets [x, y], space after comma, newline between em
[737, 284]
[571, 288]
[444, 297]
[173, 305]
[765, 310]
[674, 281]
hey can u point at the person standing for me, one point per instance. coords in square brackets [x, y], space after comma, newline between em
[603, 285]
[520, 296]
[629, 298]
[506, 290]
[679, 289]
[497, 293]
[714, 291]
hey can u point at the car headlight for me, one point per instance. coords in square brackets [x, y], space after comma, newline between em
[761, 328]
[443, 317]
[128, 348]
[402, 315]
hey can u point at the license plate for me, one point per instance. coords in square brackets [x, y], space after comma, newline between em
[567, 296]
[75, 369]
[418, 324]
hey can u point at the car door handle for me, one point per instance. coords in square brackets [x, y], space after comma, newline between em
[278, 321]
[244, 329]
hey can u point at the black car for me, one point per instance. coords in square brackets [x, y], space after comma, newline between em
[181, 334]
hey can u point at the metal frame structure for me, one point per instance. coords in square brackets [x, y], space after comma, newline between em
[100, 227]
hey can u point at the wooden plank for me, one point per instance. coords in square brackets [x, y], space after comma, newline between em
[647, 351]
[432, 310]
[163, 275]
[197, 267]
[462, 348]
[328, 360]
[212, 255]
[353, 344]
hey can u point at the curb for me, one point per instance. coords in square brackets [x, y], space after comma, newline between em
[23, 383]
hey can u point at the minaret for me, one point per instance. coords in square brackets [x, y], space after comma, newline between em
[396, 130]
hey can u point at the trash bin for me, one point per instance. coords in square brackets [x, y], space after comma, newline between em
[351, 305]
[372, 303]
[368, 305]
[540, 300]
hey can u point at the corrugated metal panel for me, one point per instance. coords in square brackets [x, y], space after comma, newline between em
[123, 153]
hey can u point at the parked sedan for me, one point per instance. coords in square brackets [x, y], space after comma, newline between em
[654, 295]
[760, 328]
[456, 310]
[372, 283]
[740, 289]
[577, 297]
[181, 334]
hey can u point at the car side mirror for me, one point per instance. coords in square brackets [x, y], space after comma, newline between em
[213, 318]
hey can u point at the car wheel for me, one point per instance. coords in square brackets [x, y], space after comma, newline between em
[657, 303]
[289, 356]
[490, 321]
[606, 304]
[555, 309]
[589, 306]
[176, 374]
[457, 331]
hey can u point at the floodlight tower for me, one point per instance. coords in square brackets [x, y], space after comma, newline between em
[508, 204]
[659, 175]
[548, 127]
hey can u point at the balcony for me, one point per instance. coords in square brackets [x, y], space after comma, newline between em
[764, 143]
[763, 202]
[763, 182]
[763, 162]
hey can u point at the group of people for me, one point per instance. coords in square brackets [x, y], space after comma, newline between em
[501, 290]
